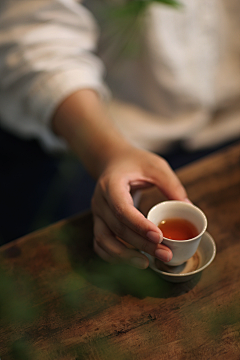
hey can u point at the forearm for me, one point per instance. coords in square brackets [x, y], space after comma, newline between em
[83, 121]
[120, 168]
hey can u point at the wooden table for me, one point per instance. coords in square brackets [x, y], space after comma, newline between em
[60, 301]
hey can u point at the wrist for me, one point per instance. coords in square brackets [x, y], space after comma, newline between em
[84, 123]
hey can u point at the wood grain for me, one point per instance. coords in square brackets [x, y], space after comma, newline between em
[58, 300]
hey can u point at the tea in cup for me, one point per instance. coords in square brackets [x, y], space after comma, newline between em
[182, 225]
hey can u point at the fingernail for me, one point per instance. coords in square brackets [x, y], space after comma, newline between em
[155, 237]
[139, 263]
[163, 255]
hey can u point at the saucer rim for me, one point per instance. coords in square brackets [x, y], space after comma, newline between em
[174, 275]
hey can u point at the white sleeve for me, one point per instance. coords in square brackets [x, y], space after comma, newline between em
[46, 53]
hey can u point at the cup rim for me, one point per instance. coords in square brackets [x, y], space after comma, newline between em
[184, 204]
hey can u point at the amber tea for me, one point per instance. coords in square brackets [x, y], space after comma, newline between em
[179, 220]
[178, 229]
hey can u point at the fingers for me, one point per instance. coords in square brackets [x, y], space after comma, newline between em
[117, 195]
[128, 225]
[120, 230]
[118, 211]
[116, 217]
[110, 249]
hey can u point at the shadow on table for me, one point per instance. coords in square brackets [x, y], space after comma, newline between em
[119, 279]
[125, 280]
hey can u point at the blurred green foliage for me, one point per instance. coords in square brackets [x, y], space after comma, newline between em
[15, 299]
[22, 349]
[122, 24]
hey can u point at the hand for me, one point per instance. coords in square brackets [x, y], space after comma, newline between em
[115, 215]
[84, 123]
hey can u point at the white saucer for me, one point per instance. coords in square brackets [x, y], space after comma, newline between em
[198, 262]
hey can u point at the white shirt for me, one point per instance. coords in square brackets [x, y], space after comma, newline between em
[46, 53]
[185, 87]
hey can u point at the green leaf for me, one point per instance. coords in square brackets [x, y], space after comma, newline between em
[123, 23]
[168, 2]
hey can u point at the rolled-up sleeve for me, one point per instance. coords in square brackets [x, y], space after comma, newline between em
[46, 53]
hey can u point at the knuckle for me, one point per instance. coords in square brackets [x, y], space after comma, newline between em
[99, 235]
[118, 253]
[159, 164]
[102, 183]
[98, 238]
[103, 241]
[162, 162]
[119, 229]
[138, 229]
[144, 246]
[119, 212]
[147, 247]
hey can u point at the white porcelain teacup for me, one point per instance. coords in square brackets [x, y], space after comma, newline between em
[182, 249]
